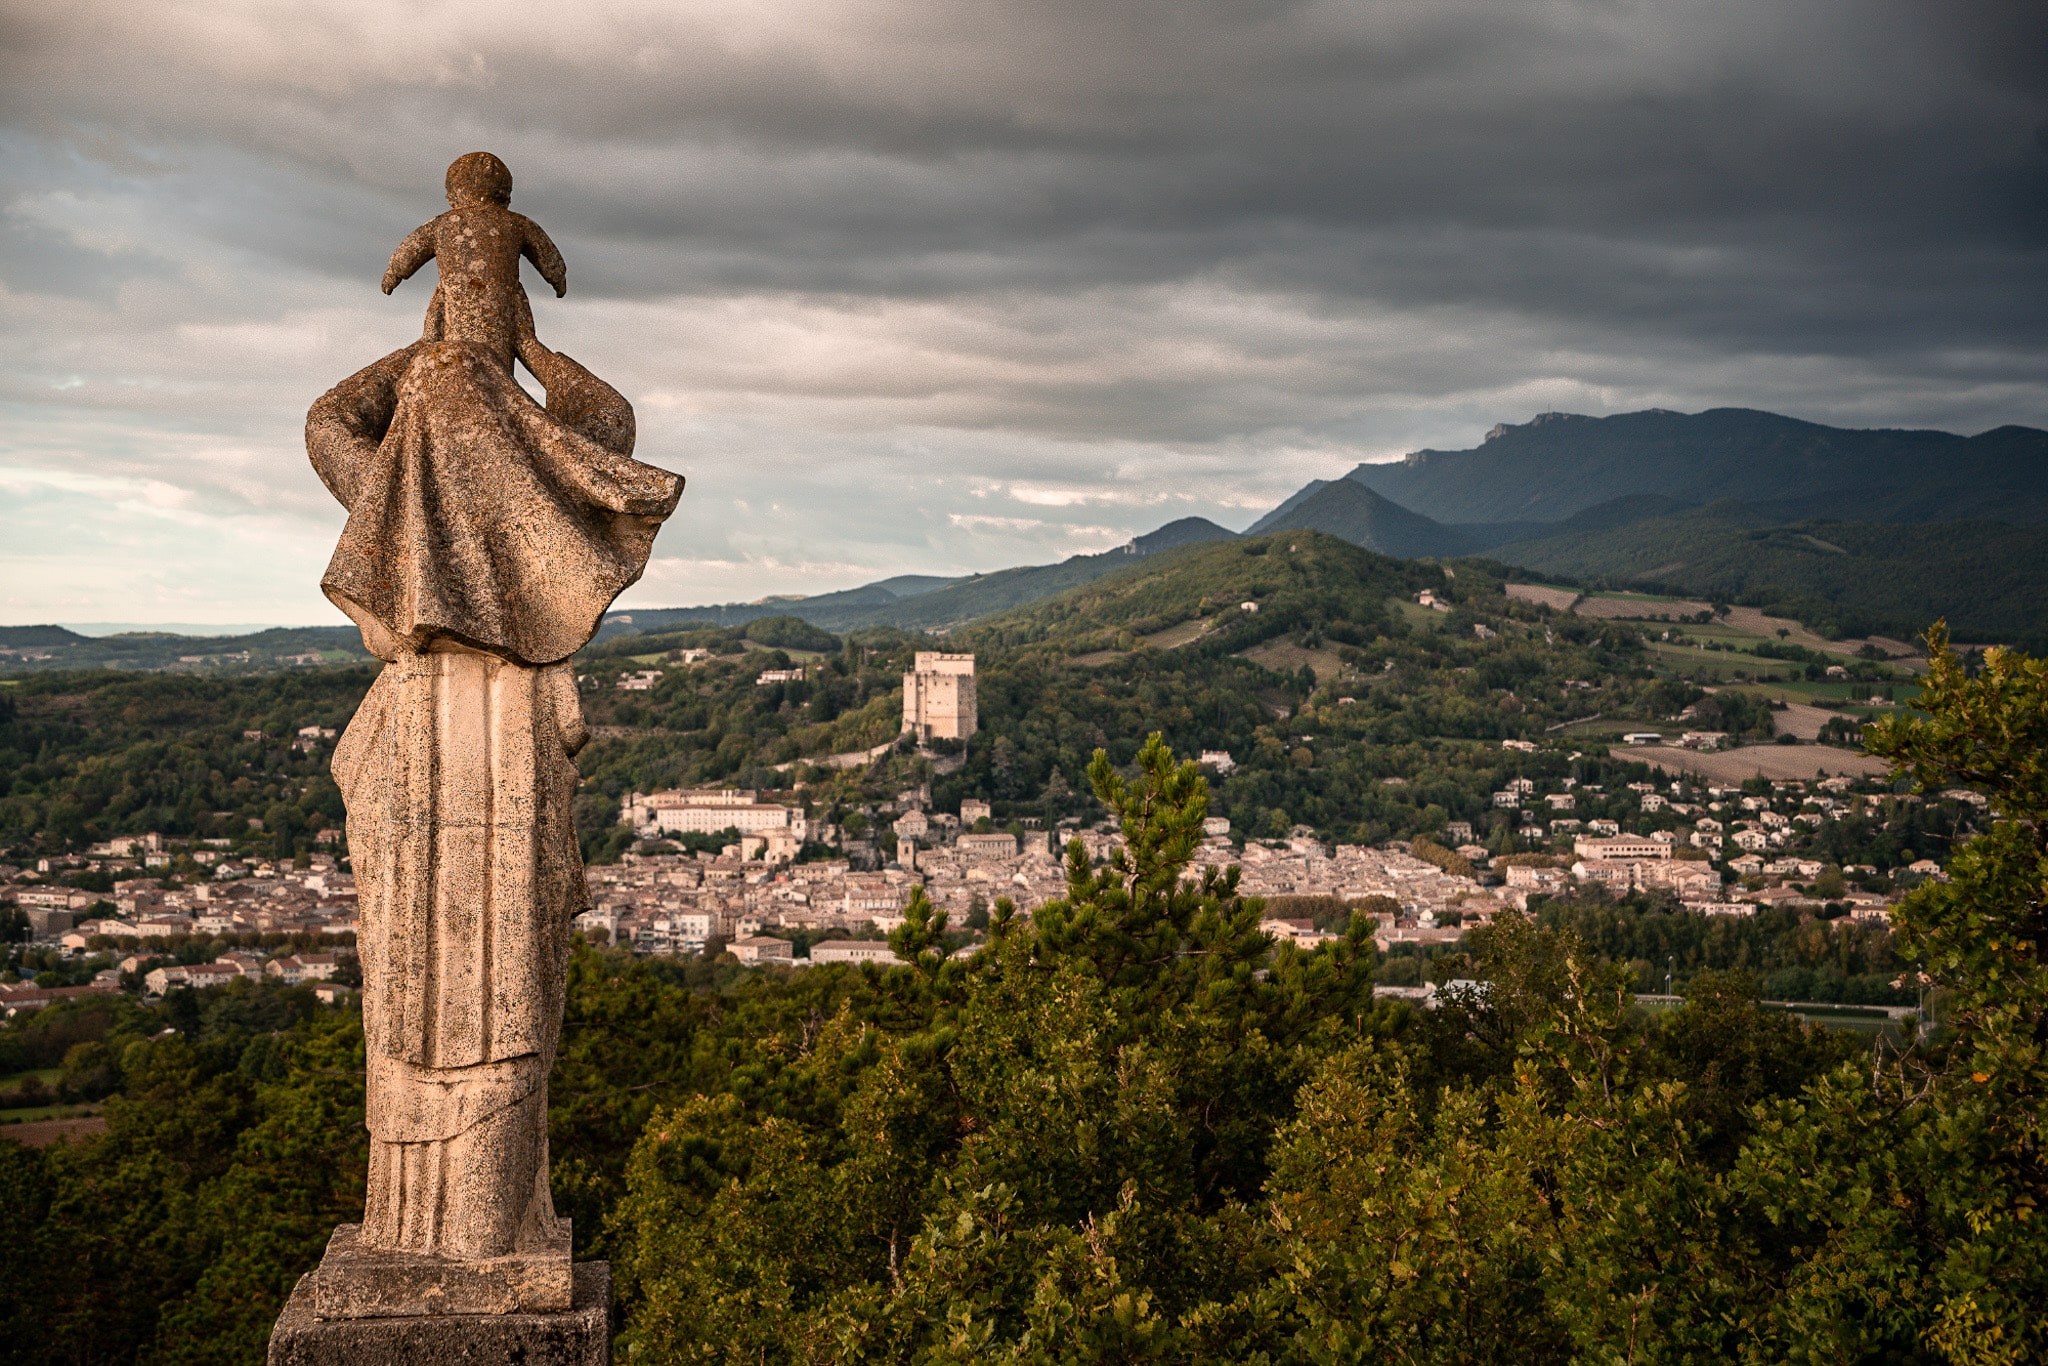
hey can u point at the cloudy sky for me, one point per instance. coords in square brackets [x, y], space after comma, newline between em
[908, 287]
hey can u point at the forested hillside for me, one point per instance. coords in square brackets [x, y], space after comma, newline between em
[1989, 580]
[88, 755]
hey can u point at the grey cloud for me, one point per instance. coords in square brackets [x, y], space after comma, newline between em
[908, 266]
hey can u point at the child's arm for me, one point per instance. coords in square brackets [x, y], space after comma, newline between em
[536, 247]
[414, 252]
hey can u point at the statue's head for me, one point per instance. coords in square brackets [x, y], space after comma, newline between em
[478, 178]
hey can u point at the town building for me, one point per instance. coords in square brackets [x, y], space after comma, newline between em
[706, 811]
[853, 951]
[1620, 847]
[757, 949]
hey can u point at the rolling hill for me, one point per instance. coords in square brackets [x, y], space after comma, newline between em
[34, 649]
[1293, 579]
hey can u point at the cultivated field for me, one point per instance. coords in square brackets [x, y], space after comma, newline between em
[1755, 761]
[1739, 621]
[41, 1133]
[1618, 607]
[1557, 599]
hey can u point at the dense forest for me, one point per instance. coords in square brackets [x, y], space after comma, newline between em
[91, 754]
[1133, 1130]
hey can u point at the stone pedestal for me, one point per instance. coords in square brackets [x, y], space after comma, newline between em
[581, 1336]
[354, 1282]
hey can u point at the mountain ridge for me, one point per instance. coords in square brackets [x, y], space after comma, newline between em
[1560, 464]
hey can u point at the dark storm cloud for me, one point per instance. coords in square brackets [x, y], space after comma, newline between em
[1066, 268]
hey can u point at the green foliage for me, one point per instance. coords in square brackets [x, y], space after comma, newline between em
[233, 1147]
[87, 756]
[1788, 955]
[1061, 1144]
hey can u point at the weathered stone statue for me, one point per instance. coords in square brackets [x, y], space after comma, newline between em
[486, 536]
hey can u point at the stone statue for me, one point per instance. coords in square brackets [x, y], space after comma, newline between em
[486, 536]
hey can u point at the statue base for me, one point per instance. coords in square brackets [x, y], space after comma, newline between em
[579, 1337]
[354, 1282]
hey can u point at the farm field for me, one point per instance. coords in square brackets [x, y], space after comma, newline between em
[1756, 761]
[1284, 656]
[41, 1133]
[1741, 624]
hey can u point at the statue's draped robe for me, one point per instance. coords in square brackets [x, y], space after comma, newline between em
[486, 537]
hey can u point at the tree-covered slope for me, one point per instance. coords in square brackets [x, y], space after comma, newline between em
[1290, 577]
[1988, 579]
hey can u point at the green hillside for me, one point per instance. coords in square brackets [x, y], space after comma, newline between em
[1336, 684]
[918, 602]
[1303, 577]
[1988, 579]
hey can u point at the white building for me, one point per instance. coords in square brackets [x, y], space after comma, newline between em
[996, 845]
[1620, 847]
[761, 949]
[938, 697]
[161, 980]
[853, 951]
[706, 811]
[313, 967]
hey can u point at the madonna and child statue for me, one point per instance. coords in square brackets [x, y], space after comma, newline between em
[487, 534]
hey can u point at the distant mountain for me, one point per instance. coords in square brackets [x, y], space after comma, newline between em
[1561, 464]
[18, 637]
[1307, 491]
[32, 649]
[1353, 512]
[920, 602]
[912, 585]
[1347, 509]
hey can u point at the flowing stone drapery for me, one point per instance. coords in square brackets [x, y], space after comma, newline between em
[475, 514]
[457, 773]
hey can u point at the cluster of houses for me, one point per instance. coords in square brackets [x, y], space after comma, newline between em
[1719, 851]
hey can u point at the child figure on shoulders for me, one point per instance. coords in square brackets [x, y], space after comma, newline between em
[478, 244]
